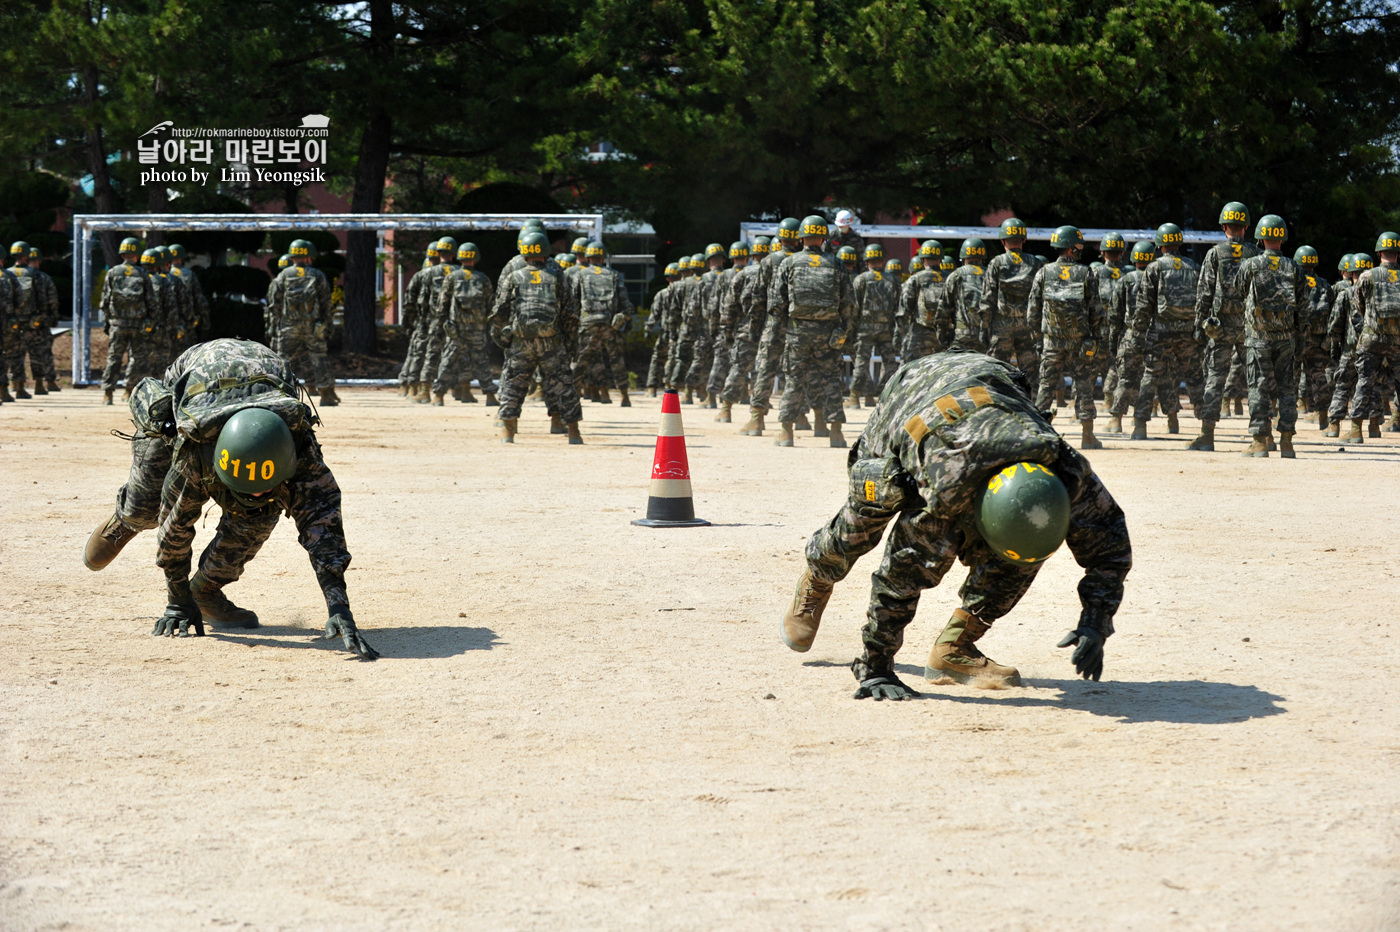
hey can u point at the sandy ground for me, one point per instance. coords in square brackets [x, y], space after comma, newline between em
[582, 724]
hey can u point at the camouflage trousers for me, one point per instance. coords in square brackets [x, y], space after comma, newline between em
[37, 342]
[1343, 386]
[767, 363]
[919, 341]
[697, 376]
[656, 370]
[1016, 347]
[1062, 359]
[237, 539]
[742, 358]
[1272, 378]
[1168, 357]
[552, 359]
[719, 363]
[303, 344]
[407, 368]
[145, 355]
[1375, 378]
[1195, 377]
[1218, 371]
[412, 370]
[869, 345]
[920, 550]
[432, 350]
[1129, 368]
[464, 358]
[812, 373]
[1312, 376]
[600, 360]
[1235, 383]
[682, 357]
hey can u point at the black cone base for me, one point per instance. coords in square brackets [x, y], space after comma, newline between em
[670, 512]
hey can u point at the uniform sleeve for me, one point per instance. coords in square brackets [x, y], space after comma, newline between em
[1146, 308]
[1301, 297]
[990, 287]
[500, 311]
[323, 300]
[182, 498]
[621, 303]
[1098, 539]
[314, 505]
[104, 304]
[49, 300]
[1035, 303]
[1092, 306]
[568, 315]
[850, 313]
[777, 296]
[1205, 288]
[199, 303]
[154, 310]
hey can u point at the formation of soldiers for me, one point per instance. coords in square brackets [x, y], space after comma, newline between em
[1249, 321]
[28, 308]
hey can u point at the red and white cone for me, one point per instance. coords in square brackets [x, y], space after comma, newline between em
[670, 503]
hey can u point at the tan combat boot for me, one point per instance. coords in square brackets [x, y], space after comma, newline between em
[1334, 429]
[689, 398]
[754, 428]
[425, 397]
[574, 436]
[852, 400]
[1354, 435]
[837, 439]
[217, 607]
[1269, 441]
[625, 401]
[1173, 426]
[1060, 397]
[491, 400]
[464, 394]
[819, 423]
[106, 397]
[956, 659]
[1259, 448]
[106, 542]
[651, 393]
[604, 397]
[711, 400]
[556, 425]
[1087, 440]
[1375, 430]
[1115, 424]
[802, 423]
[329, 399]
[1394, 426]
[804, 615]
[438, 399]
[508, 425]
[784, 435]
[52, 385]
[726, 413]
[404, 388]
[1205, 443]
[1139, 430]
[1285, 445]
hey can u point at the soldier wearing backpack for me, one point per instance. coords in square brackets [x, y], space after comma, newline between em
[299, 309]
[1163, 329]
[133, 321]
[604, 311]
[33, 310]
[466, 299]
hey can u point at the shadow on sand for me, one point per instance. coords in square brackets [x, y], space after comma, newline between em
[424, 642]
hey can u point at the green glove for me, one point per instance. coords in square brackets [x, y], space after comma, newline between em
[342, 625]
[1088, 655]
[884, 686]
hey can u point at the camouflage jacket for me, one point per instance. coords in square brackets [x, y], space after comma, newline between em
[33, 297]
[663, 311]
[948, 422]
[433, 286]
[466, 298]
[1165, 299]
[129, 299]
[732, 317]
[1006, 288]
[183, 321]
[877, 301]
[921, 299]
[1344, 324]
[1275, 293]
[600, 295]
[517, 262]
[310, 497]
[702, 306]
[811, 289]
[300, 295]
[170, 297]
[1217, 288]
[198, 320]
[1109, 277]
[1120, 312]
[752, 288]
[414, 311]
[534, 304]
[1377, 297]
[1317, 309]
[1064, 303]
[960, 322]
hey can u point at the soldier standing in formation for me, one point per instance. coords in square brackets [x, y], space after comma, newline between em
[768, 358]
[299, 313]
[132, 318]
[702, 311]
[876, 296]
[1111, 247]
[1005, 290]
[1063, 317]
[605, 312]
[415, 322]
[920, 304]
[1313, 361]
[724, 315]
[745, 307]
[1274, 292]
[466, 299]
[687, 327]
[1377, 298]
[1162, 330]
[657, 325]
[1126, 352]
[1218, 297]
[196, 324]
[434, 322]
[960, 325]
[32, 310]
[1343, 329]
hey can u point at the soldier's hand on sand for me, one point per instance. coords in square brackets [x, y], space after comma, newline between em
[884, 686]
[177, 621]
[342, 625]
[1088, 655]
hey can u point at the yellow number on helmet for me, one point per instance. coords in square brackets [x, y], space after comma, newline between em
[223, 460]
[268, 470]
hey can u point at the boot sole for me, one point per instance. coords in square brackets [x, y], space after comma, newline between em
[219, 624]
[782, 629]
[942, 677]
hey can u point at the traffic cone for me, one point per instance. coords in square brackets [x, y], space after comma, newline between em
[669, 503]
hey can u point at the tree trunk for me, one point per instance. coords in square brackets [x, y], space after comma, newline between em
[103, 194]
[360, 259]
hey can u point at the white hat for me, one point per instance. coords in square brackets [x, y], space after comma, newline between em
[844, 218]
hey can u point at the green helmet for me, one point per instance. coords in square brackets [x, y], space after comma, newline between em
[714, 249]
[1167, 234]
[1306, 257]
[447, 246]
[1144, 251]
[176, 251]
[595, 248]
[164, 253]
[814, 225]
[946, 264]
[150, 257]
[874, 252]
[1388, 242]
[1012, 228]
[1066, 237]
[533, 224]
[19, 248]
[467, 252]
[672, 270]
[130, 244]
[1344, 264]
[566, 260]
[1023, 514]
[534, 244]
[580, 246]
[1096, 264]
[787, 229]
[1360, 262]
[255, 452]
[432, 250]
[302, 247]
[916, 265]
[1271, 226]
[284, 260]
[848, 255]
[34, 253]
[760, 246]
[1234, 212]
[972, 248]
[894, 265]
[930, 247]
[738, 250]
[1112, 240]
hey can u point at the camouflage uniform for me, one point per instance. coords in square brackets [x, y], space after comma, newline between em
[810, 298]
[771, 339]
[133, 318]
[745, 307]
[683, 346]
[1343, 330]
[535, 322]
[415, 321]
[1314, 360]
[660, 349]
[1377, 298]
[1063, 307]
[1109, 277]
[170, 297]
[721, 322]
[944, 426]
[702, 315]
[1218, 293]
[959, 324]
[436, 319]
[194, 321]
[1275, 294]
[849, 238]
[172, 476]
[601, 298]
[299, 310]
[33, 310]
[920, 308]
[1005, 290]
[1162, 331]
[877, 300]
[1120, 338]
[465, 300]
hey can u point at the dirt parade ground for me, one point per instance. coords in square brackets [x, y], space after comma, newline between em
[581, 724]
